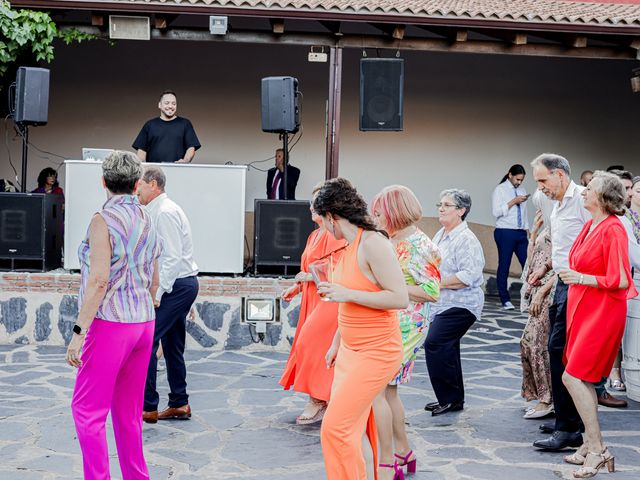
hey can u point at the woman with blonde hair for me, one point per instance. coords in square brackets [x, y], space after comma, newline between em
[397, 211]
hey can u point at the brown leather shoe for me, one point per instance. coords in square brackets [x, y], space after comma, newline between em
[150, 417]
[607, 400]
[178, 413]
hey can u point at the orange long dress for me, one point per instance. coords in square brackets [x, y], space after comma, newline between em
[370, 354]
[306, 369]
[596, 317]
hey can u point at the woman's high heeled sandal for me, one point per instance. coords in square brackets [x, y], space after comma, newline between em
[398, 474]
[605, 458]
[404, 461]
[578, 457]
[617, 384]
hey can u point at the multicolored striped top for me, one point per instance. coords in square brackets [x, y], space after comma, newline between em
[134, 248]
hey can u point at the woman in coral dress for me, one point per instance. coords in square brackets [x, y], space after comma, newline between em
[369, 286]
[600, 284]
[306, 370]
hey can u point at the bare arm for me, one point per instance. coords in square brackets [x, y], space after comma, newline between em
[381, 259]
[452, 283]
[418, 295]
[142, 155]
[155, 283]
[188, 155]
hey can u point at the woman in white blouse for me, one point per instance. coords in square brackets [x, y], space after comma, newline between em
[461, 300]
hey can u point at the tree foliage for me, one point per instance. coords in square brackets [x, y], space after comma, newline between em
[24, 31]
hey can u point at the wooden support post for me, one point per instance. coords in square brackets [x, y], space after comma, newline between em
[333, 112]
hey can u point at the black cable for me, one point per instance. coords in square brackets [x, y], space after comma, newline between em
[45, 152]
[6, 143]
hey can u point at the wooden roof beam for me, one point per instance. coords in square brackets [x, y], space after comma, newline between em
[162, 21]
[277, 25]
[451, 34]
[97, 19]
[394, 31]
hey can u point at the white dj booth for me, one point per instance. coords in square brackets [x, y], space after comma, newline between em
[212, 197]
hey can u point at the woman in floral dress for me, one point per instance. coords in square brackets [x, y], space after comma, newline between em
[536, 373]
[397, 210]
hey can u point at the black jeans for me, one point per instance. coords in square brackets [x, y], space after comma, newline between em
[567, 418]
[442, 352]
[171, 318]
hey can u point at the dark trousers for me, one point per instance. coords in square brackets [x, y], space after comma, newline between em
[509, 241]
[171, 319]
[442, 352]
[567, 418]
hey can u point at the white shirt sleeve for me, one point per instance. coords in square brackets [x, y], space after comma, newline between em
[169, 229]
[470, 262]
[499, 204]
[634, 248]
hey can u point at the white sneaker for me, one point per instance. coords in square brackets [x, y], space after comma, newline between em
[508, 306]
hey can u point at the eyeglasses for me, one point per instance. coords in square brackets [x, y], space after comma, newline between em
[445, 205]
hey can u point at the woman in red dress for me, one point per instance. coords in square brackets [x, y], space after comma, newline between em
[306, 370]
[600, 284]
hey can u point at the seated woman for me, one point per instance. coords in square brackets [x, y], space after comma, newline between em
[48, 182]
[600, 283]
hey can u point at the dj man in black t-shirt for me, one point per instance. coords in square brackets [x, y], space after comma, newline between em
[167, 138]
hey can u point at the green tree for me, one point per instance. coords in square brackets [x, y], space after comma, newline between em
[27, 31]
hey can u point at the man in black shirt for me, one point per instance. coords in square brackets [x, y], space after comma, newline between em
[167, 138]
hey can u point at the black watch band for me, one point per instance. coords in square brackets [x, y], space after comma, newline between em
[79, 331]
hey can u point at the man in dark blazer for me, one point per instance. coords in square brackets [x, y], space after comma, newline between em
[275, 179]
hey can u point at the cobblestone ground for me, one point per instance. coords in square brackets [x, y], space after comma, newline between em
[244, 425]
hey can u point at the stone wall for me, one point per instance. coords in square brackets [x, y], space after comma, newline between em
[42, 308]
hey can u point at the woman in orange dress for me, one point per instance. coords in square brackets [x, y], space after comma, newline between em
[366, 353]
[306, 370]
[600, 284]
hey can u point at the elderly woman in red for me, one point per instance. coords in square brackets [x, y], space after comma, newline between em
[600, 284]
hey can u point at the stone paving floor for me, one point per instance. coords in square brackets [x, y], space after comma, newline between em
[244, 424]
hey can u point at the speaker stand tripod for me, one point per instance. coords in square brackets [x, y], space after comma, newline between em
[23, 129]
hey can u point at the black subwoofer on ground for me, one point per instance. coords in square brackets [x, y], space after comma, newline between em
[281, 228]
[31, 231]
[381, 94]
[32, 96]
[279, 102]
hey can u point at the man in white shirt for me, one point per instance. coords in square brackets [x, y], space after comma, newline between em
[508, 204]
[177, 292]
[552, 174]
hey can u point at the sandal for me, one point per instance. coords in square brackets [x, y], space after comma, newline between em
[602, 459]
[578, 457]
[315, 418]
[539, 411]
[617, 384]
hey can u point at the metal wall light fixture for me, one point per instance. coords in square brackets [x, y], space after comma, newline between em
[260, 311]
[635, 80]
[218, 25]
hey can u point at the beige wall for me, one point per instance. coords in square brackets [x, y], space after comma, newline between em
[467, 117]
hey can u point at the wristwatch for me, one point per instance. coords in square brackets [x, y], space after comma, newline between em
[79, 331]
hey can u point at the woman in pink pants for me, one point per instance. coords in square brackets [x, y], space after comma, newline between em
[112, 337]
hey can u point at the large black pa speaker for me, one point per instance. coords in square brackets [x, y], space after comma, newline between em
[32, 96]
[381, 94]
[281, 229]
[280, 110]
[31, 229]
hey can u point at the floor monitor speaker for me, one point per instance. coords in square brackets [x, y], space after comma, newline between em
[281, 229]
[31, 230]
[381, 94]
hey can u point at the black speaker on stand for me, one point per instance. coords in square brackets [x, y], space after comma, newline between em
[381, 94]
[31, 107]
[281, 229]
[31, 229]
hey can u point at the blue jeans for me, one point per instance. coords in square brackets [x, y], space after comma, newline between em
[509, 241]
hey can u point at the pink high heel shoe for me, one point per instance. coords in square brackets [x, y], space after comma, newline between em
[398, 474]
[411, 465]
